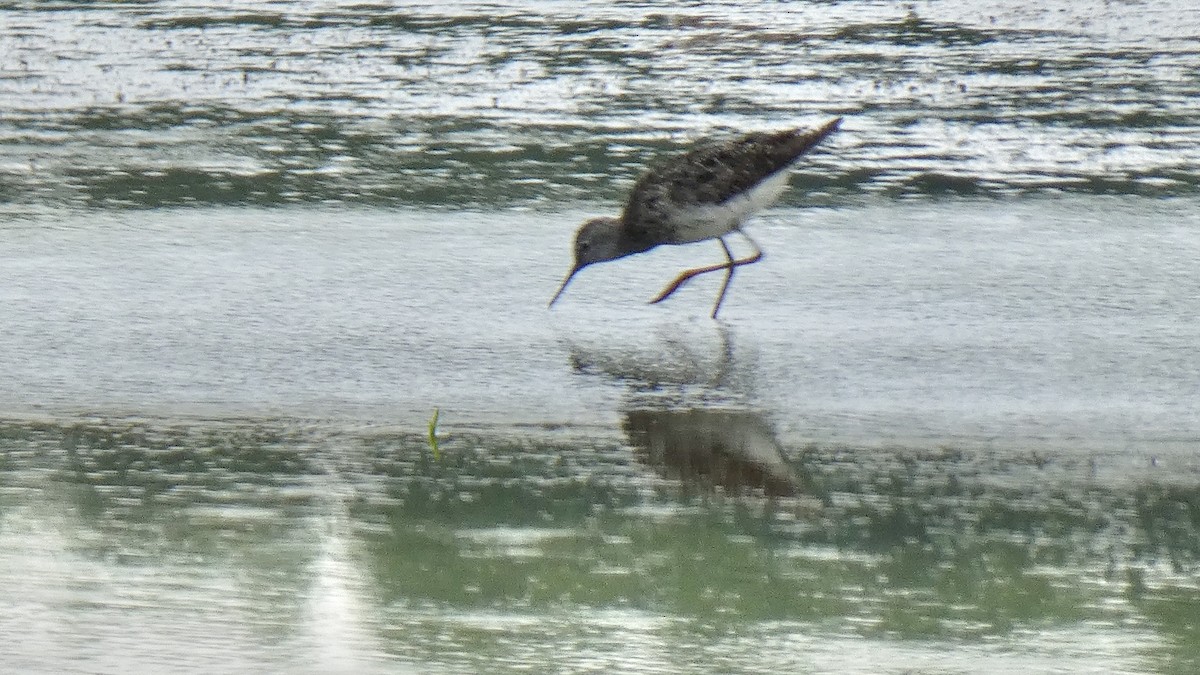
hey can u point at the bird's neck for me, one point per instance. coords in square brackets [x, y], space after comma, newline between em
[634, 240]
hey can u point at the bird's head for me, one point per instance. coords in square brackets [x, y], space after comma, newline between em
[596, 241]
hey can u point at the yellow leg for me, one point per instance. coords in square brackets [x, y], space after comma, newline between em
[729, 266]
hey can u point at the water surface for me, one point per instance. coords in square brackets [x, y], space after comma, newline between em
[946, 426]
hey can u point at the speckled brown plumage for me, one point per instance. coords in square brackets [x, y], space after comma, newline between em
[710, 174]
[705, 193]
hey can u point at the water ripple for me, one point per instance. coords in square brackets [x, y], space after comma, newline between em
[147, 105]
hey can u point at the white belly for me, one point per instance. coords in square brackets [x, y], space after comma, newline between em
[713, 220]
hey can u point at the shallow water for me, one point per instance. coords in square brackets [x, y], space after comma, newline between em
[947, 425]
[1069, 321]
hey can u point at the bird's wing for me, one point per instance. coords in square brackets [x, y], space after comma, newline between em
[714, 173]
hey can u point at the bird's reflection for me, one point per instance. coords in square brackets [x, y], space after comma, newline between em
[672, 360]
[690, 414]
[733, 449]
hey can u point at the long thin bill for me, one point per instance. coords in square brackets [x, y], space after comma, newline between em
[563, 287]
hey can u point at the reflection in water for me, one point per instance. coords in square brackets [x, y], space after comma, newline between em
[687, 412]
[734, 449]
[674, 365]
[273, 547]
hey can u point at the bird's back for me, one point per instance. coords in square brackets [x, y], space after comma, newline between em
[712, 176]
